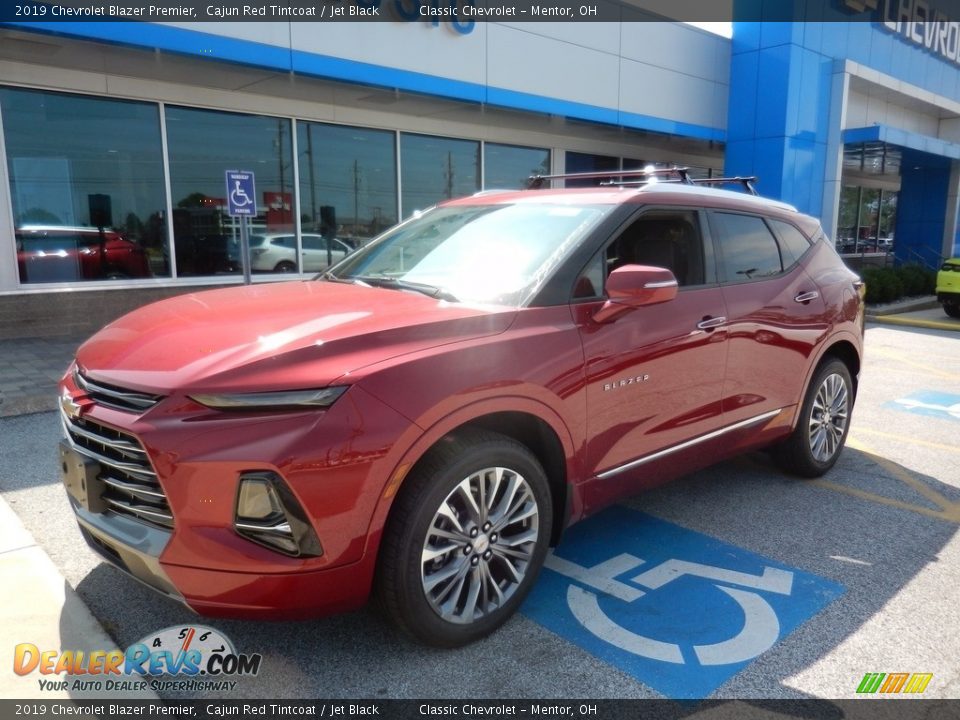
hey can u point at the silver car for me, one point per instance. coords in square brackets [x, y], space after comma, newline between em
[277, 252]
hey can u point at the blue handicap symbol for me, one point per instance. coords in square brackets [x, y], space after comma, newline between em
[680, 611]
[241, 193]
[929, 403]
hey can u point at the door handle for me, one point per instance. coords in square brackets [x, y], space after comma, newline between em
[806, 297]
[709, 323]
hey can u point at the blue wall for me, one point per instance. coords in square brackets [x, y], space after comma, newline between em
[779, 111]
[921, 207]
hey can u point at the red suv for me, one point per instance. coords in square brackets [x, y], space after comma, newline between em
[423, 420]
[54, 253]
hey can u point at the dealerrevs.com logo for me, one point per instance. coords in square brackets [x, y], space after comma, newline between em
[189, 658]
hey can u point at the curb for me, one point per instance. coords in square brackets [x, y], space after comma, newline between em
[915, 322]
[43, 609]
[904, 306]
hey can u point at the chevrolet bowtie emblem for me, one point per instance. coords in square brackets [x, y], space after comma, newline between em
[71, 408]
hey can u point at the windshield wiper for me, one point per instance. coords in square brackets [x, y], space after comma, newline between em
[396, 284]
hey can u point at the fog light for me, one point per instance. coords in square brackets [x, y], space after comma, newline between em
[257, 500]
[268, 514]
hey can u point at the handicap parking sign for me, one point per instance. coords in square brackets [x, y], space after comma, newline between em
[679, 611]
[241, 194]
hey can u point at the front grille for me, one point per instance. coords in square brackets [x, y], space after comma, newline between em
[132, 487]
[115, 397]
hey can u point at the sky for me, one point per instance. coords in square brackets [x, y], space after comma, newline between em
[718, 28]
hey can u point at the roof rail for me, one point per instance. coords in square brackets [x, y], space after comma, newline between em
[613, 177]
[746, 181]
[642, 177]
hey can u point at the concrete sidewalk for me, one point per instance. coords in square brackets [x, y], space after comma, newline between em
[39, 607]
[919, 312]
[37, 604]
[29, 371]
[930, 319]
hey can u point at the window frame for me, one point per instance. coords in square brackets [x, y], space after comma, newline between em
[710, 267]
[718, 243]
[781, 242]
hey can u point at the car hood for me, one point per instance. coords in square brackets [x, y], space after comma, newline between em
[275, 336]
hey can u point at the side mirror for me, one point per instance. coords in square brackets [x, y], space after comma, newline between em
[633, 286]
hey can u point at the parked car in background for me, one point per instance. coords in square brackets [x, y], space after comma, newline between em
[277, 252]
[948, 287]
[55, 253]
[423, 420]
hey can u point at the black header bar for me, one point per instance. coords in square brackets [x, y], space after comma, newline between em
[478, 11]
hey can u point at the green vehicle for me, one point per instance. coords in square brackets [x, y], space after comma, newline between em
[948, 287]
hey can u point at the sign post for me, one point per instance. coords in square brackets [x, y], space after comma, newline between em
[241, 203]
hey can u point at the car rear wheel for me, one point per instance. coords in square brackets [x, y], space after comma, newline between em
[821, 431]
[285, 266]
[952, 310]
[465, 540]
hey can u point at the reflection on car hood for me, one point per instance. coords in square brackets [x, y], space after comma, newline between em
[276, 336]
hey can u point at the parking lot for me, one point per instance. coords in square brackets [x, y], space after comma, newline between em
[734, 582]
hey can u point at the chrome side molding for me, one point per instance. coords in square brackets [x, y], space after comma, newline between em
[689, 443]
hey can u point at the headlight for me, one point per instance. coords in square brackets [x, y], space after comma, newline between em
[290, 399]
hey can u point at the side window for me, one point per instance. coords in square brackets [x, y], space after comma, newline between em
[287, 241]
[748, 251]
[793, 243]
[312, 242]
[668, 239]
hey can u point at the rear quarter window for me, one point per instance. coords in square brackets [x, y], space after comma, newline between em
[748, 250]
[793, 243]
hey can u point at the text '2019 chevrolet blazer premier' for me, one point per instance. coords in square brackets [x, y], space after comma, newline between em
[423, 420]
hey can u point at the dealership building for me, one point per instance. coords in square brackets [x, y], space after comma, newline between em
[115, 136]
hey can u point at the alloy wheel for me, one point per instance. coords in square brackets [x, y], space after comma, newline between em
[828, 418]
[479, 545]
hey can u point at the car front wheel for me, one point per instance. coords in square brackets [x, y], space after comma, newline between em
[466, 539]
[821, 431]
[951, 309]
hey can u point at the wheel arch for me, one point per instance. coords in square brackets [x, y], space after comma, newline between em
[539, 438]
[529, 422]
[842, 346]
[845, 351]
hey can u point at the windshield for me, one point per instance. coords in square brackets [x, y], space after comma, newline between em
[498, 254]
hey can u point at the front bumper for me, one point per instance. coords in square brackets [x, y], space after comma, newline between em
[135, 548]
[335, 463]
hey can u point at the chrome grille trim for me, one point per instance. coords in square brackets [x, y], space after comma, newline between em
[132, 487]
[115, 397]
[124, 447]
[141, 511]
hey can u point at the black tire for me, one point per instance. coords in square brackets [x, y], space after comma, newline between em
[952, 310]
[467, 460]
[285, 266]
[801, 454]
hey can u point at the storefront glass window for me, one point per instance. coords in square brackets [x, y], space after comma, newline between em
[348, 181]
[509, 166]
[435, 169]
[847, 219]
[869, 215]
[867, 219]
[203, 145]
[86, 180]
[888, 216]
[583, 162]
